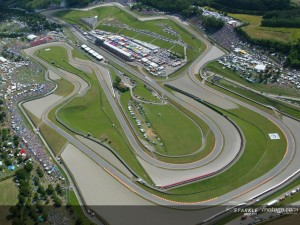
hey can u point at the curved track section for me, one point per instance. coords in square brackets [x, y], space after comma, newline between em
[165, 174]
[288, 126]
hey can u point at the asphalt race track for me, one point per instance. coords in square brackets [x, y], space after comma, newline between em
[227, 147]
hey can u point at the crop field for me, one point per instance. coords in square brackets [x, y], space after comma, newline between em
[274, 33]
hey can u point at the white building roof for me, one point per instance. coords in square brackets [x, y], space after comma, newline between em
[153, 64]
[99, 57]
[2, 59]
[260, 67]
[147, 45]
[31, 37]
[231, 22]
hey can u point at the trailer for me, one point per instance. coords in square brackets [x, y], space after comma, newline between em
[273, 202]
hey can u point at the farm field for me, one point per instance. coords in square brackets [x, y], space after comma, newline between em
[274, 33]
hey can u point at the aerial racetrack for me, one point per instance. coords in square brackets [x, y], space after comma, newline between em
[242, 161]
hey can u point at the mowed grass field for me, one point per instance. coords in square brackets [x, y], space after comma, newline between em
[180, 135]
[77, 54]
[92, 112]
[274, 33]
[8, 197]
[57, 56]
[55, 141]
[261, 154]
[9, 192]
[209, 136]
[64, 87]
[228, 73]
[116, 15]
[143, 92]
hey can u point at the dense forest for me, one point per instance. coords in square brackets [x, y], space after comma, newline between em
[282, 18]
[237, 6]
[293, 58]
[254, 6]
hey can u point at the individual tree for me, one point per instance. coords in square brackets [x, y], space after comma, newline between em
[21, 174]
[58, 189]
[28, 167]
[57, 201]
[78, 221]
[39, 172]
[50, 189]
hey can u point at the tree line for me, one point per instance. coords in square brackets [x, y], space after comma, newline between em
[246, 6]
[281, 22]
[282, 18]
[235, 6]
